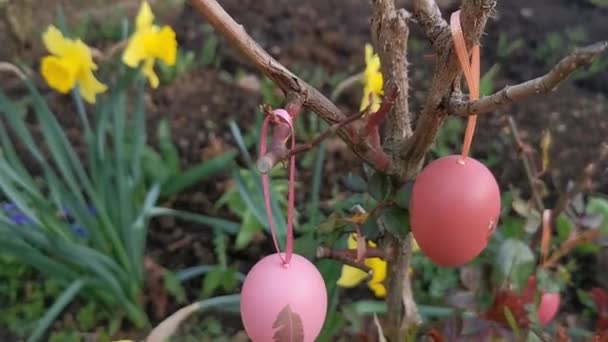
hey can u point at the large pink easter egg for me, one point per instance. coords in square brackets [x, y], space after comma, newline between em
[548, 307]
[454, 209]
[279, 301]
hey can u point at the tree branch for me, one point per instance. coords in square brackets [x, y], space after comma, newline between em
[390, 35]
[459, 104]
[446, 77]
[289, 83]
[428, 16]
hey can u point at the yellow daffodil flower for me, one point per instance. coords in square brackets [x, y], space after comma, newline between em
[372, 80]
[70, 64]
[352, 276]
[148, 43]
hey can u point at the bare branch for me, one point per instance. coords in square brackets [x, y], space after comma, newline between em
[291, 85]
[278, 152]
[459, 104]
[583, 181]
[446, 80]
[428, 16]
[529, 167]
[390, 34]
[349, 256]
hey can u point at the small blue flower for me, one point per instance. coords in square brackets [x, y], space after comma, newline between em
[79, 231]
[15, 215]
[19, 219]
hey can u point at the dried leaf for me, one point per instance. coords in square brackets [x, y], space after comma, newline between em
[545, 146]
[545, 241]
[289, 327]
[166, 328]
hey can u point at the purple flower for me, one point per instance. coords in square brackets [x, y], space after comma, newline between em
[79, 231]
[15, 215]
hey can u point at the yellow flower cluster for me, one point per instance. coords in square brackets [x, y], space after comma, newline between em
[70, 62]
[372, 80]
[351, 276]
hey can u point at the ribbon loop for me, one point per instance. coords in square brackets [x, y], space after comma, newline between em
[280, 114]
[471, 70]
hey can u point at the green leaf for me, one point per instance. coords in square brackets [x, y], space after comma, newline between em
[227, 226]
[379, 186]
[306, 245]
[213, 280]
[197, 174]
[402, 196]
[512, 322]
[563, 226]
[249, 228]
[515, 260]
[154, 166]
[230, 279]
[396, 221]
[370, 228]
[354, 182]
[62, 301]
[174, 287]
[599, 205]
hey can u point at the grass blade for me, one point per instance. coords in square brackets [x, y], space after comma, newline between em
[62, 301]
[217, 223]
[198, 173]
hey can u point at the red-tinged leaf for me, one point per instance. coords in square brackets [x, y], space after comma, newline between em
[600, 298]
[289, 327]
[530, 290]
[436, 336]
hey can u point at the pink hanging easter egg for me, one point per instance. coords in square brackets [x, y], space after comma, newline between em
[279, 302]
[454, 209]
[548, 307]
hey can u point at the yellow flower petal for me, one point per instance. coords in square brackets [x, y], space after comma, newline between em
[55, 42]
[165, 47]
[351, 276]
[148, 71]
[415, 246]
[135, 51]
[145, 17]
[379, 289]
[59, 73]
[372, 80]
[89, 86]
[379, 267]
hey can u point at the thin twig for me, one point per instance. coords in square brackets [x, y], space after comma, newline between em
[459, 104]
[278, 152]
[567, 246]
[348, 257]
[529, 167]
[285, 79]
[582, 182]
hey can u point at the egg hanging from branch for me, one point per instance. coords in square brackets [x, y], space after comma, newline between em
[454, 209]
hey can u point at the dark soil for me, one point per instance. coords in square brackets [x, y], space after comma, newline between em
[332, 35]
